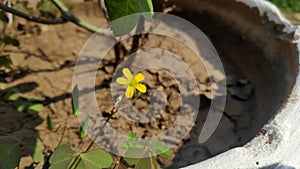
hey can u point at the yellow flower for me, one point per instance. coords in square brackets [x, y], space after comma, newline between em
[132, 82]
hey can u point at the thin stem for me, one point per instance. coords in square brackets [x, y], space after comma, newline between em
[132, 102]
[72, 18]
[77, 160]
[75, 163]
[66, 16]
[91, 144]
[60, 6]
[62, 136]
[32, 18]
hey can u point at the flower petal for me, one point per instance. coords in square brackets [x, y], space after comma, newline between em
[142, 88]
[122, 80]
[139, 77]
[127, 74]
[129, 92]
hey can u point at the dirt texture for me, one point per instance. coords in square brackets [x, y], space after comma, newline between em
[51, 51]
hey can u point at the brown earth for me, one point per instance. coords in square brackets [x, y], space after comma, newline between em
[51, 52]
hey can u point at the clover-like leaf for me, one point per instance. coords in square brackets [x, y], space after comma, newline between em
[84, 127]
[5, 61]
[75, 102]
[35, 148]
[133, 155]
[144, 163]
[49, 123]
[10, 155]
[12, 96]
[132, 136]
[123, 8]
[61, 157]
[35, 108]
[21, 135]
[96, 159]
[146, 6]
[162, 149]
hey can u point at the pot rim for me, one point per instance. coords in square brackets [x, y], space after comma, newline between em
[283, 129]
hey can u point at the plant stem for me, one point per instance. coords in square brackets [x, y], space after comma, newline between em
[66, 16]
[77, 160]
[32, 18]
[62, 136]
[60, 6]
[72, 18]
[75, 163]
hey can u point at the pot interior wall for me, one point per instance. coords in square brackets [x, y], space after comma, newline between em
[262, 59]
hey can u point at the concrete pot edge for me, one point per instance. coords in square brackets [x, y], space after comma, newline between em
[279, 147]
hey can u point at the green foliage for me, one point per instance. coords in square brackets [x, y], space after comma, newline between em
[96, 159]
[162, 149]
[35, 108]
[5, 61]
[154, 162]
[49, 123]
[35, 149]
[64, 157]
[287, 5]
[46, 6]
[140, 162]
[3, 17]
[9, 40]
[61, 157]
[132, 138]
[23, 103]
[22, 7]
[143, 156]
[120, 8]
[9, 155]
[13, 146]
[75, 103]
[83, 128]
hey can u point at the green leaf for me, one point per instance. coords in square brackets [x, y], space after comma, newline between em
[3, 17]
[129, 144]
[138, 153]
[49, 123]
[10, 155]
[11, 41]
[21, 108]
[83, 128]
[46, 6]
[12, 96]
[132, 136]
[162, 149]
[144, 163]
[23, 8]
[287, 5]
[146, 6]
[35, 108]
[35, 148]
[5, 61]
[75, 102]
[21, 134]
[154, 162]
[61, 157]
[96, 159]
[120, 8]
[80, 166]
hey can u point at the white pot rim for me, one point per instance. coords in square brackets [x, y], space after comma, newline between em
[283, 129]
